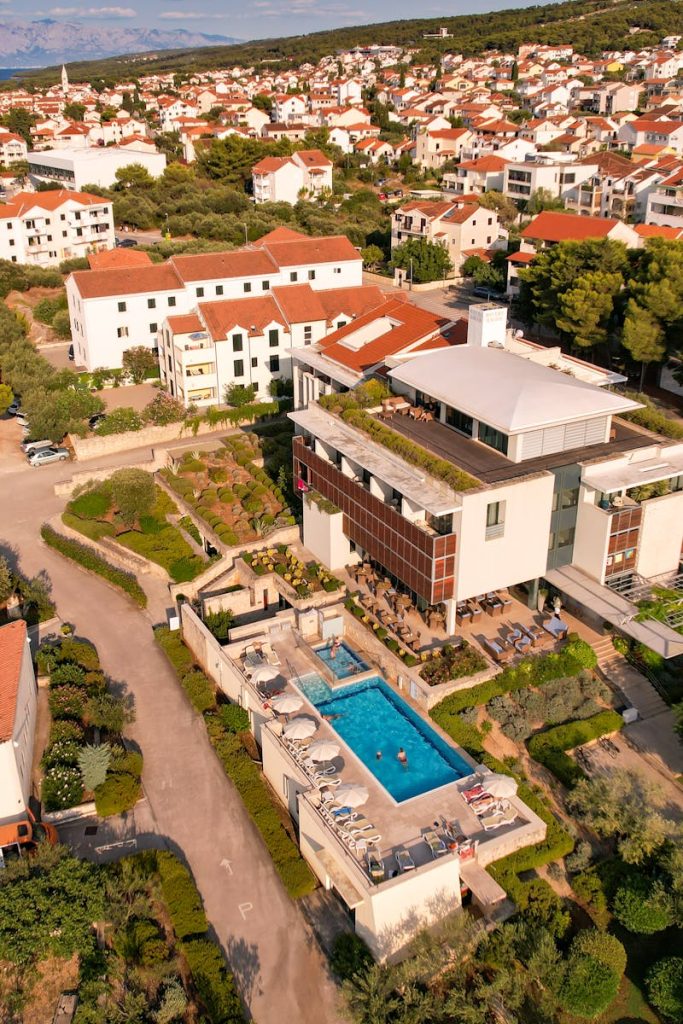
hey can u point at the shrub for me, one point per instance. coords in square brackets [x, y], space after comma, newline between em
[119, 421]
[61, 787]
[548, 748]
[67, 674]
[200, 691]
[181, 897]
[234, 718]
[175, 650]
[93, 763]
[66, 702]
[214, 984]
[133, 492]
[665, 987]
[603, 947]
[66, 730]
[350, 956]
[642, 905]
[190, 528]
[80, 652]
[90, 560]
[61, 752]
[589, 888]
[91, 505]
[219, 623]
[118, 793]
[580, 857]
[126, 761]
[588, 987]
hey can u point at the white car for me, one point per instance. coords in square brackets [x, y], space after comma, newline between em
[28, 447]
[47, 455]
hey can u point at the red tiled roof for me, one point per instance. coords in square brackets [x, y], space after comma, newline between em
[186, 323]
[25, 201]
[299, 303]
[251, 314]
[521, 257]
[99, 284]
[212, 266]
[353, 302]
[485, 163]
[12, 644]
[658, 231]
[313, 158]
[281, 234]
[334, 249]
[118, 258]
[270, 164]
[563, 227]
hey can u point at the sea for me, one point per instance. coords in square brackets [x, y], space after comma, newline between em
[6, 73]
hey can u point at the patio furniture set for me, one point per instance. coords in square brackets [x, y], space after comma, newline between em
[398, 404]
[495, 604]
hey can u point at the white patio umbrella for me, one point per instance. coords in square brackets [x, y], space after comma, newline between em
[286, 703]
[264, 674]
[500, 785]
[323, 750]
[351, 794]
[300, 728]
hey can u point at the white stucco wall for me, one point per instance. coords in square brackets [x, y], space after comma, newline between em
[324, 536]
[521, 552]
[16, 755]
[661, 535]
[592, 536]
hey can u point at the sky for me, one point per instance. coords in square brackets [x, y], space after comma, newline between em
[252, 19]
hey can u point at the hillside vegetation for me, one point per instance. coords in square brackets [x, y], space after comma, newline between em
[589, 25]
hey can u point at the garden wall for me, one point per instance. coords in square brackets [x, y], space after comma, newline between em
[111, 551]
[95, 446]
[65, 488]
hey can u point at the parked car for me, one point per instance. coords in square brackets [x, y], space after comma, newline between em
[382, 196]
[48, 455]
[126, 243]
[96, 419]
[14, 408]
[28, 447]
[487, 293]
[71, 353]
[22, 420]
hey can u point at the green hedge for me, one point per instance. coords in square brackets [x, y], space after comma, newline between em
[548, 748]
[88, 559]
[534, 671]
[181, 897]
[198, 687]
[248, 779]
[214, 983]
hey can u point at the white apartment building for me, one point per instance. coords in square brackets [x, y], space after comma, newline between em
[116, 309]
[461, 227]
[558, 177]
[285, 179]
[45, 228]
[18, 701]
[482, 175]
[12, 148]
[96, 165]
[434, 148]
[665, 202]
[553, 485]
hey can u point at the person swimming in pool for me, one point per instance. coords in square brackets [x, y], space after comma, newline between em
[336, 644]
[331, 718]
[378, 755]
[402, 757]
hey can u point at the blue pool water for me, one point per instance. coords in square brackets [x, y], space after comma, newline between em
[371, 718]
[345, 662]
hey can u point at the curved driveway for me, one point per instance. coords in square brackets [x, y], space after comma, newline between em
[281, 972]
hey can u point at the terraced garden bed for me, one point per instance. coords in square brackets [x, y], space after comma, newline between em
[306, 578]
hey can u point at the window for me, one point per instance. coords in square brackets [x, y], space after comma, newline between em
[565, 537]
[254, 362]
[219, 289]
[274, 365]
[121, 332]
[77, 216]
[311, 275]
[493, 438]
[293, 275]
[337, 270]
[62, 216]
[495, 519]
[459, 421]
[153, 328]
[63, 234]
[274, 337]
[340, 324]
[199, 292]
[247, 286]
[265, 286]
[122, 307]
[308, 334]
[171, 300]
[238, 368]
[237, 343]
[151, 303]
[569, 497]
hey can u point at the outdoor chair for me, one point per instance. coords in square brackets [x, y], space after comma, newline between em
[435, 843]
[404, 861]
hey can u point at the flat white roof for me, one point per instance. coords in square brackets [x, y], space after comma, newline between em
[643, 466]
[510, 393]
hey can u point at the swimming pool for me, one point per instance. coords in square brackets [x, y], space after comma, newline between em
[346, 661]
[373, 718]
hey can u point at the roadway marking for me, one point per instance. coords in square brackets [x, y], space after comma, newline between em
[227, 865]
[244, 909]
[116, 846]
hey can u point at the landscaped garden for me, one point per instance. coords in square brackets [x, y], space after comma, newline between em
[306, 578]
[152, 961]
[85, 757]
[240, 490]
[134, 512]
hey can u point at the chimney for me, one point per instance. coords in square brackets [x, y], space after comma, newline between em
[487, 325]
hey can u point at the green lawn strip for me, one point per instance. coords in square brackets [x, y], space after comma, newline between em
[260, 802]
[90, 560]
[548, 748]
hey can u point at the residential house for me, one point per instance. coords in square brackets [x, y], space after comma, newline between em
[435, 148]
[471, 176]
[44, 228]
[461, 227]
[18, 703]
[12, 148]
[284, 179]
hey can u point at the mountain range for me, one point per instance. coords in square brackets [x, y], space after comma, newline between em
[35, 44]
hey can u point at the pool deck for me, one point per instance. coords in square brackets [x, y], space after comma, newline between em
[403, 825]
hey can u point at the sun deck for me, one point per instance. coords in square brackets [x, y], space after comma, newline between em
[491, 467]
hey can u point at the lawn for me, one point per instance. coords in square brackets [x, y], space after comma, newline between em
[94, 514]
[242, 489]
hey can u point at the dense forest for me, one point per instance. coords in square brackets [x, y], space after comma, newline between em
[589, 25]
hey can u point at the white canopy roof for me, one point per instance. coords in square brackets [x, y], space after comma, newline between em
[509, 393]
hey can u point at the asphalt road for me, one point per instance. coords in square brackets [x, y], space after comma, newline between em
[191, 807]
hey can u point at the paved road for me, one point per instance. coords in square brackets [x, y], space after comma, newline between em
[190, 803]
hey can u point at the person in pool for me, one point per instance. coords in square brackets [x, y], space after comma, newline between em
[378, 755]
[336, 644]
[402, 757]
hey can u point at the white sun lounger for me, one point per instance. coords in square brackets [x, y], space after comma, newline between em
[405, 861]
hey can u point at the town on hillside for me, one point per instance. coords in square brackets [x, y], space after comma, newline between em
[341, 629]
